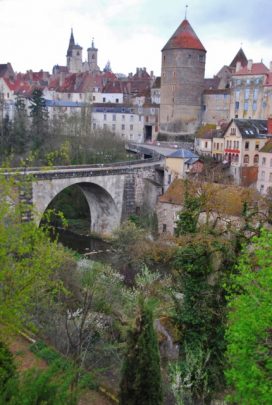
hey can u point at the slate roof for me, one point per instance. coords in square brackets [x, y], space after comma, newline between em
[184, 38]
[250, 128]
[183, 154]
[212, 83]
[157, 83]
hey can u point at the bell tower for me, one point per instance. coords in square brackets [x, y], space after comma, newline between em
[92, 57]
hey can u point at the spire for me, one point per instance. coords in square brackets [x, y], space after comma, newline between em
[71, 43]
[186, 9]
[184, 38]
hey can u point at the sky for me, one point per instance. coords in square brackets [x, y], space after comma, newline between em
[131, 33]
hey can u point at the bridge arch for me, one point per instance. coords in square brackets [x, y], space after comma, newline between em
[104, 212]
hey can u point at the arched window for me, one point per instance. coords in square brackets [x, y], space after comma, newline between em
[246, 159]
[256, 159]
[236, 158]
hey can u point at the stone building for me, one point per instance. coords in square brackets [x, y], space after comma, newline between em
[182, 81]
[74, 57]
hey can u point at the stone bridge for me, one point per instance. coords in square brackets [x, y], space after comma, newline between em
[113, 191]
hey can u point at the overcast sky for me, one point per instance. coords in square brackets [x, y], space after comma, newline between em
[131, 33]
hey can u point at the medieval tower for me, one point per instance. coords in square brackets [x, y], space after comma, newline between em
[182, 81]
[74, 56]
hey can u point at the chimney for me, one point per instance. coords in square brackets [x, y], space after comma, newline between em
[269, 125]
[238, 67]
[249, 64]
[270, 67]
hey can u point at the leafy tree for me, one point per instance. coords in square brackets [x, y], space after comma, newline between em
[141, 376]
[27, 259]
[249, 331]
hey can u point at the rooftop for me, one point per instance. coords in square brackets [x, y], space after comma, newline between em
[184, 38]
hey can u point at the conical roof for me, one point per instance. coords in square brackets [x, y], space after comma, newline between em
[71, 44]
[239, 57]
[184, 38]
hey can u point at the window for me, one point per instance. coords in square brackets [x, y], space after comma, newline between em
[94, 125]
[246, 145]
[245, 106]
[131, 127]
[263, 161]
[257, 145]
[201, 58]
[105, 117]
[270, 177]
[246, 159]
[254, 106]
[236, 105]
[262, 175]
[113, 127]
[123, 127]
[262, 188]
[93, 98]
[256, 159]
[169, 178]
[123, 117]
[104, 99]
[237, 95]
[247, 94]
[164, 227]
[233, 131]
[117, 100]
[114, 117]
[255, 94]
[131, 118]
[206, 145]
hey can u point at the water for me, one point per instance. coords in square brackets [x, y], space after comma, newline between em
[81, 243]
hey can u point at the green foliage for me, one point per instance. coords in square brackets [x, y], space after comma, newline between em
[63, 364]
[27, 259]
[141, 376]
[7, 366]
[200, 318]
[188, 217]
[40, 387]
[249, 332]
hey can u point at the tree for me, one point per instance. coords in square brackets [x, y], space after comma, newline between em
[141, 376]
[20, 133]
[39, 115]
[249, 330]
[27, 259]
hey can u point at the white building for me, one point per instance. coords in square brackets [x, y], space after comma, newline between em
[122, 120]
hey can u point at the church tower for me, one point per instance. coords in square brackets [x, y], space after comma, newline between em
[92, 58]
[182, 81]
[74, 56]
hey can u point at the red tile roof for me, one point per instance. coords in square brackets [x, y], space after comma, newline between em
[257, 69]
[184, 38]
